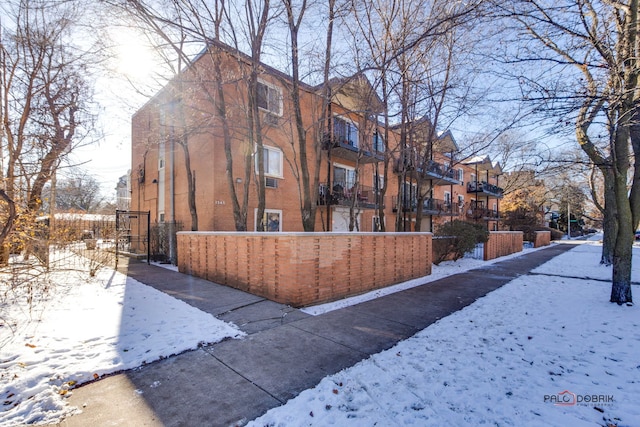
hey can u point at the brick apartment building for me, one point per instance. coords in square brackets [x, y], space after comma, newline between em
[350, 157]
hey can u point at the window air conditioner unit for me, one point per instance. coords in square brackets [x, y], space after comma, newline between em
[271, 183]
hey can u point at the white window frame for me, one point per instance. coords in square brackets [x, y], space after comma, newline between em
[348, 169]
[269, 148]
[461, 174]
[266, 213]
[271, 86]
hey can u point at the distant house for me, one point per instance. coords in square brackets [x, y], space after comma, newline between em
[123, 192]
[351, 153]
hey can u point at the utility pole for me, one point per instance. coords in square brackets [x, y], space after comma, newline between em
[568, 220]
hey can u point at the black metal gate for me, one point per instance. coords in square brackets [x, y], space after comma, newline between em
[132, 233]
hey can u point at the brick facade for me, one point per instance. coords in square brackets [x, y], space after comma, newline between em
[541, 238]
[455, 188]
[305, 268]
[502, 243]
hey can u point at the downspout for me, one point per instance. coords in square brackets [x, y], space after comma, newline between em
[497, 203]
[172, 207]
[475, 214]
[487, 208]
[451, 202]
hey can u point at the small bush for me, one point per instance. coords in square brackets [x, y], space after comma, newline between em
[466, 235]
[442, 248]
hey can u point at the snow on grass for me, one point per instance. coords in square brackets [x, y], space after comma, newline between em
[507, 359]
[85, 329]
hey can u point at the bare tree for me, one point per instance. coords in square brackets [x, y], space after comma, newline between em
[77, 191]
[589, 54]
[45, 97]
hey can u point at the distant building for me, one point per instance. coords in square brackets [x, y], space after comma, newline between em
[123, 192]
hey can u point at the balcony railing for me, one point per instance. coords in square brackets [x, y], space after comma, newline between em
[350, 150]
[347, 194]
[431, 170]
[485, 188]
[481, 213]
[429, 206]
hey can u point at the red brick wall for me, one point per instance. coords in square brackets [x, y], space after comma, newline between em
[541, 238]
[305, 268]
[502, 243]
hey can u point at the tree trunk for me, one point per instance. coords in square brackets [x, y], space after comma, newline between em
[610, 219]
[191, 184]
[307, 205]
[621, 286]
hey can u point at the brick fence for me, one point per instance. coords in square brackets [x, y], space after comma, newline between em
[305, 268]
[541, 238]
[502, 243]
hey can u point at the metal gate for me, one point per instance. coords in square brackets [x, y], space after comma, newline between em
[132, 233]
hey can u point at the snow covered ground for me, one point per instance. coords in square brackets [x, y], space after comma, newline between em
[82, 329]
[508, 359]
[546, 349]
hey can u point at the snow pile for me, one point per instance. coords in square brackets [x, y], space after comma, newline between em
[84, 330]
[545, 349]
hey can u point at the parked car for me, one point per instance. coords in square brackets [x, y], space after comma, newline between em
[638, 235]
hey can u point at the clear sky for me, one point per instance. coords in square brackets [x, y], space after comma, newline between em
[118, 93]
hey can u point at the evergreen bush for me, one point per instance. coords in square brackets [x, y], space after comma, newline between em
[466, 235]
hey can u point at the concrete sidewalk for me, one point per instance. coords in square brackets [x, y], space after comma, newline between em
[286, 351]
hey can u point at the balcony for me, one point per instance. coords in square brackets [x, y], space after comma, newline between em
[484, 189]
[441, 173]
[429, 207]
[346, 194]
[482, 214]
[349, 150]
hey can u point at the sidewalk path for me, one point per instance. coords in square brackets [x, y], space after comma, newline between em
[286, 351]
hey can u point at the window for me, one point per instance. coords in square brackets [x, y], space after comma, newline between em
[345, 132]
[344, 176]
[460, 200]
[460, 174]
[161, 216]
[272, 160]
[409, 195]
[269, 98]
[473, 178]
[377, 143]
[447, 198]
[272, 220]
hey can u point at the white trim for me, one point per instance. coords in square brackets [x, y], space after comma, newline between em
[280, 103]
[267, 212]
[281, 161]
[340, 165]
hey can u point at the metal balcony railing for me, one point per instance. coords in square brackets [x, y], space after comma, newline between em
[348, 194]
[485, 188]
[431, 169]
[429, 206]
